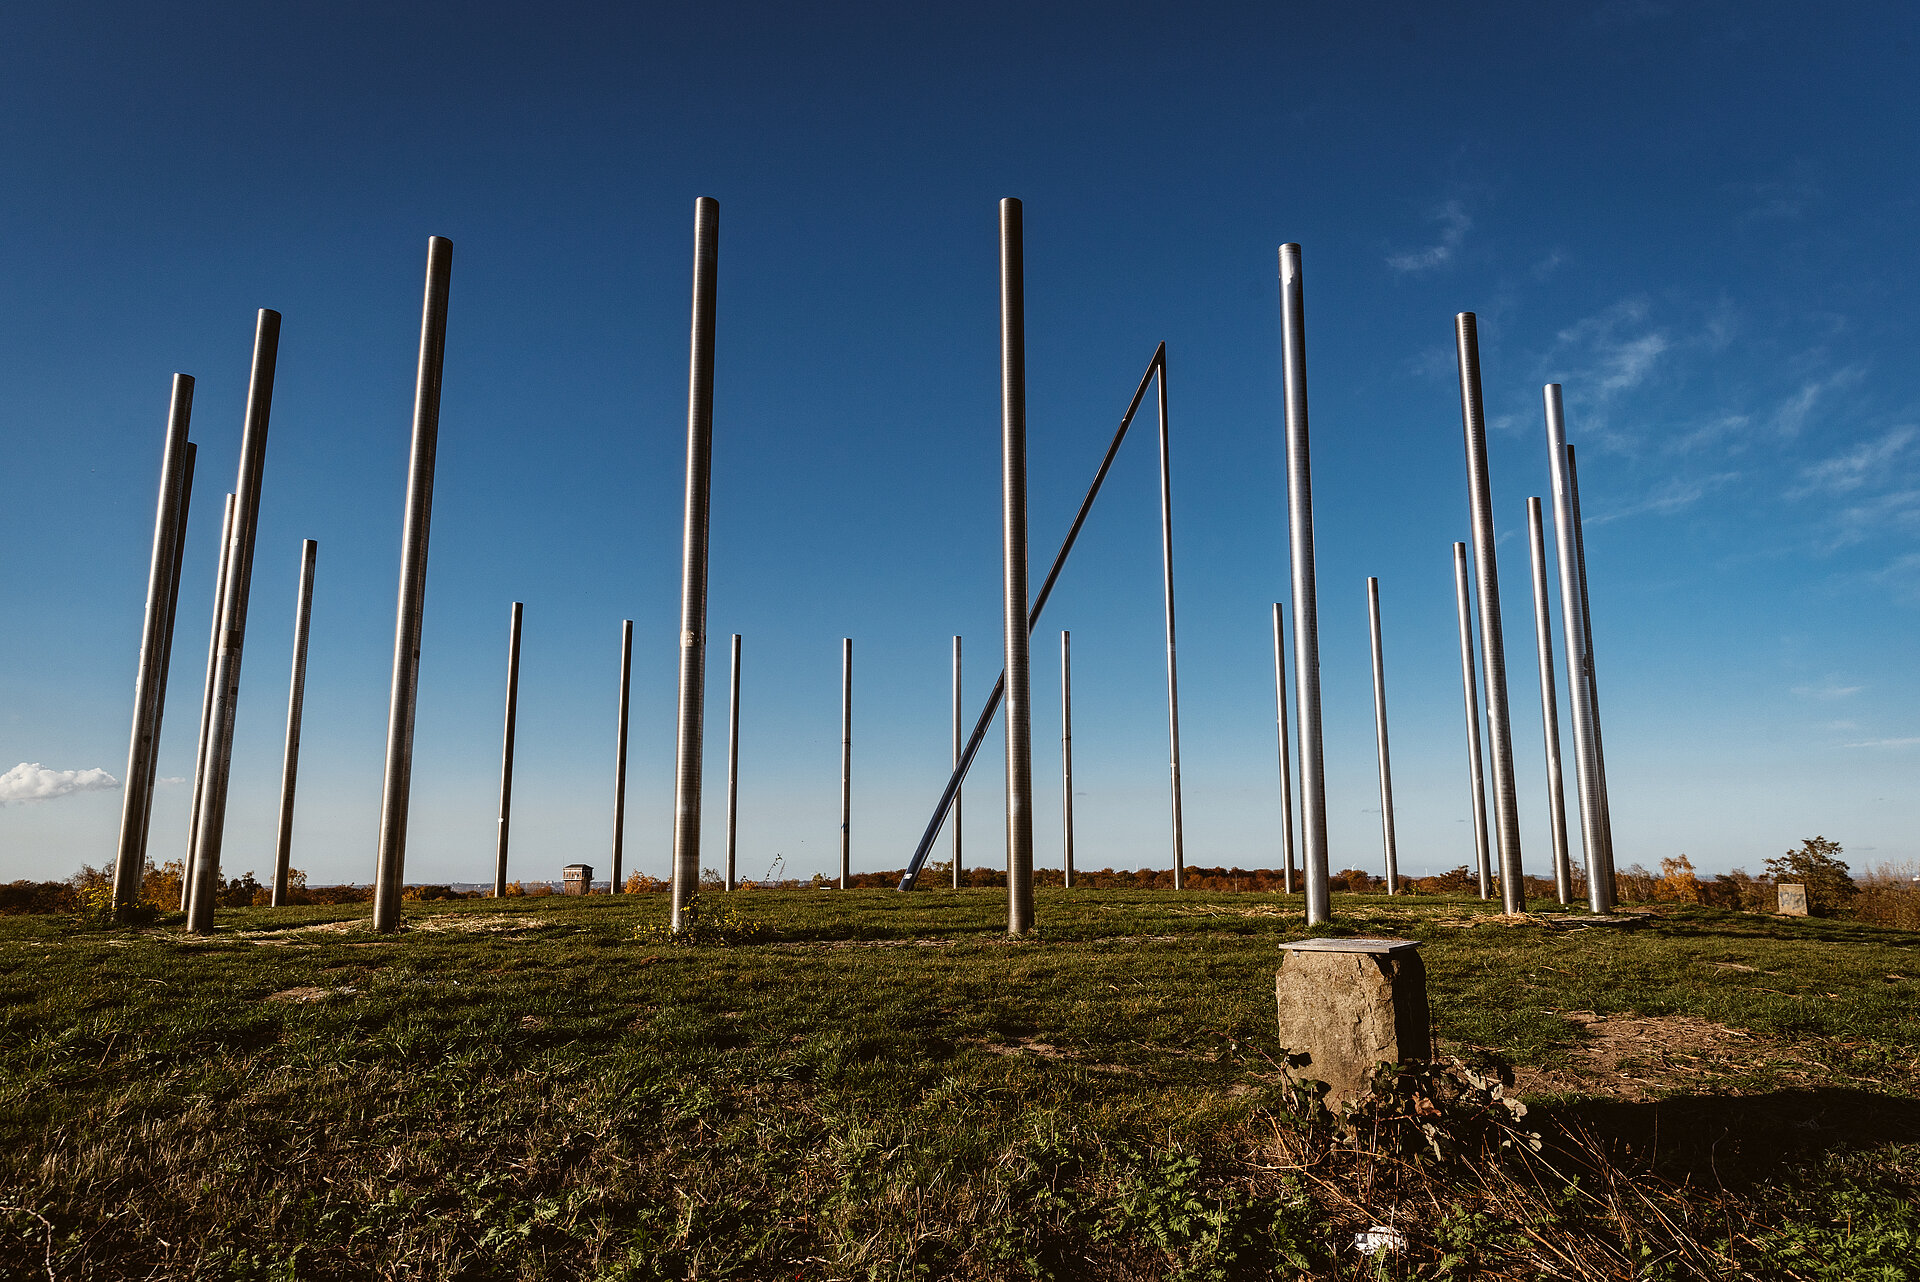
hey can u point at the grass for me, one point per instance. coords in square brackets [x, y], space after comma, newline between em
[521, 1088]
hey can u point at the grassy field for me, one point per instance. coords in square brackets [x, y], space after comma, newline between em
[889, 1088]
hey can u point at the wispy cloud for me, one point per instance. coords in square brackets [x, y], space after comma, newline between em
[1854, 468]
[1828, 689]
[1616, 347]
[1791, 416]
[1730, 428]
[1668, 497]
[1454, 224]
[31, 781]
[1908, 742]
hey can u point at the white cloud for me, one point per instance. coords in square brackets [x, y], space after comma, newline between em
[1615, 345]
[1908, 742]
[1669, 497]
[34, 782]
[1828, 689]
[1855, 468]
[1454, 222]
[1791, 417]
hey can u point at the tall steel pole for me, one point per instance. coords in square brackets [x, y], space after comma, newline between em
[1549, 709]
[410, 614]
[1586, 623]
[846, 760]
[129, 866]
[1306, 614]
[620, 756]
[957, 854]
[296, 699]
[1173, 666]
[689, 738]
[1286, 772]
[1493, 652]
[1066, 757]
[1593, 829]
[1476, 779]
[506, 752]
[206, 705]
[166, 645]
[233, 625]
[733, 767]
[1380, 740]
[1013, 562]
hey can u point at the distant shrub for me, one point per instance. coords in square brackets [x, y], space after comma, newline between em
[1889, 896]
[640, 883]
[1817, 866]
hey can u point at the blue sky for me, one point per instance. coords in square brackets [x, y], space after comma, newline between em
[1697, 218]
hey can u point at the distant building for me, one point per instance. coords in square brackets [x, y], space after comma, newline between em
[579, 878]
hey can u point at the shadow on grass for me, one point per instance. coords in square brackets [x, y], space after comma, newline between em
[1732, 1141]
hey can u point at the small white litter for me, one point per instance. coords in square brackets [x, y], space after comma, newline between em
[1379, 1238]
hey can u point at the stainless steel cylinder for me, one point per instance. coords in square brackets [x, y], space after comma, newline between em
[733, 768]
[1013, 560]
[1476, 778]
[1173, 665]
[296, 699]
[411, 611]
[1593, 674]
[506, 751]
[166, 645]
[1493, 653]
[846, 760]
[958, 809]
[1593, 833]
[1549, 709]
[1306, 615]
[690, 734]
[149, 686]
[1286, 771]
[1066, 758]
[1380, 740]
[620, 758]
[200, 761]
[233, 625]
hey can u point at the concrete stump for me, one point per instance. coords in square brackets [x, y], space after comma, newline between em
[1349, 1004]
[1792, 900]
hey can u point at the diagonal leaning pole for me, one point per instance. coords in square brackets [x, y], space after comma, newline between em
[981, 726]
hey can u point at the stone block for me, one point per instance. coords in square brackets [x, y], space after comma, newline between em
[1349, 1004]
[1792, 899]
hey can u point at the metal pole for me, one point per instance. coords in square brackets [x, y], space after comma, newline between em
[296, 697]
[1593, 833]
[1593, 679]
[1306, 614]
[1286, 773]
[733, 766]
[846, 760]
[1066, 758]
[1013, 562]
[957, 809]
[620, 757]
[235, 594]
[1463, 600]
[985, 720]
[206, 705]
[1380, 740]
[1549, 709]
[1173, 667]
[166, 645]
[410, 615]
[129, 866]
[506, 751]
[1493, 652]
[689, 738]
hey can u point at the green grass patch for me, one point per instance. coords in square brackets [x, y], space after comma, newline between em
[889, 1087]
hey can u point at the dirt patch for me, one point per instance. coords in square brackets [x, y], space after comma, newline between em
[477, 923]
[1643, 1057]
